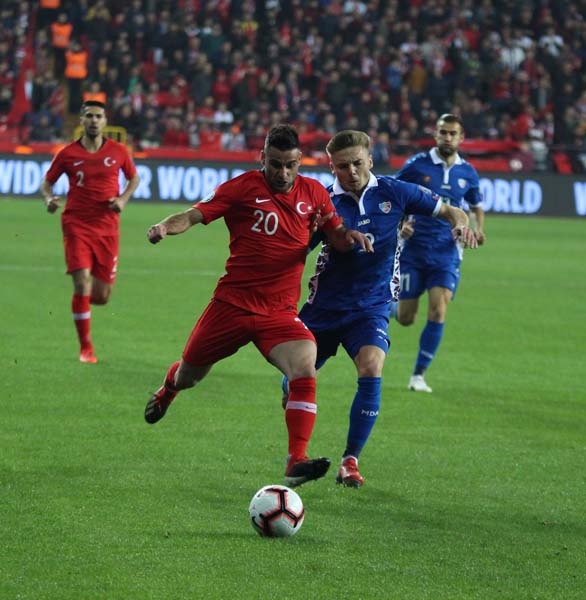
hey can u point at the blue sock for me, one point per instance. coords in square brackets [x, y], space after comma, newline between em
[430, 339]
[285, 385]
[363, 414]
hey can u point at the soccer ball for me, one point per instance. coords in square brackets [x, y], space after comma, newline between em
[276, 511]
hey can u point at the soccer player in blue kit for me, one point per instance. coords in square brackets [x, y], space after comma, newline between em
[350, 295]
[431, 257]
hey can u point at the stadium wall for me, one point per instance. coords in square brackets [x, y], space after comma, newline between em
[188, 182]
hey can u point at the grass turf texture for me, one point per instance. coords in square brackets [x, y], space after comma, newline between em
[474, 491]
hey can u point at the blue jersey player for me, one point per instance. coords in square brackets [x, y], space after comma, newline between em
[350, 295]
[431, 256]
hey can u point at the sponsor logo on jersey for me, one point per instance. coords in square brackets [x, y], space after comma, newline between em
[261, 200]
[385, 207]
[77, 163]
[364, 222]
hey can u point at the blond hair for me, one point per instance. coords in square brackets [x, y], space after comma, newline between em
[349, 138]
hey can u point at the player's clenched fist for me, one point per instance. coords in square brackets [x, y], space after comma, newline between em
[156, 233]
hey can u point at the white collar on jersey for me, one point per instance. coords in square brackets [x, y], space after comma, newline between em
[437, 159]
[338, 189]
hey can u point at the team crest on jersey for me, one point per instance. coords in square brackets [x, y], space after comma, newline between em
[462, 183]
[209, 197]
[385, 207]
[109, 161]
[303, 208]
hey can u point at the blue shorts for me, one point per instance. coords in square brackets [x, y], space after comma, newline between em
[415, 280]
[352, 333]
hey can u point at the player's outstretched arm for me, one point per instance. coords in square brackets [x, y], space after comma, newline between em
[458, 219]
[174, 225]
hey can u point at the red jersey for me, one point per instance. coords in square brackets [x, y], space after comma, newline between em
[269, 236]
[93, 180]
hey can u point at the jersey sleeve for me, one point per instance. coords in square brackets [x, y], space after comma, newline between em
[128, 167]
[56, 168]
[218, 202]
[417, 199]
[473, 196]
[409, 171]
[324, 204]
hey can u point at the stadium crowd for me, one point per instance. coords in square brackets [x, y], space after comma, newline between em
[218, 74]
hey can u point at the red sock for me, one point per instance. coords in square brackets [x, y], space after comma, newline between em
[82, 316]
[300, 416]
[170, 377]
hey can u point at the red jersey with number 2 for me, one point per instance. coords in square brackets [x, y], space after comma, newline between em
[93, 180]
[269, 236]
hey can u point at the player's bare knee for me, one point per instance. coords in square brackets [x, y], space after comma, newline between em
[302, 370]
[406, 318]
[99, 299]
[370, 369]
[437, 316]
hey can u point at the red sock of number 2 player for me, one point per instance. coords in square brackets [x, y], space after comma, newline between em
[300, 416]
[80, 307]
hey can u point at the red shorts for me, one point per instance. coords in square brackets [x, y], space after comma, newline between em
[224, 328]
[98, 254]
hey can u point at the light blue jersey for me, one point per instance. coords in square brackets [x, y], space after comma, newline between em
[346, 286]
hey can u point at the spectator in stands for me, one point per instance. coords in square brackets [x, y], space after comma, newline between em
[381, 152]
[127, 118]
[61, 32]
[233, 140]
[150, 136]
[474, 118]
[210, 136]
[192, 128]
[202, 80]
[97, 25]
[223, 117]
[7, 81]
[392, 50]
[47, 13]
[43, 129]
[174, 97]
[221, 89]
[94, 92]
[75, 72]
[175, 134]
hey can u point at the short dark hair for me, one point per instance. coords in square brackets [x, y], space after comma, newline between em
[89, 103]
[451, 118]
[282, 137]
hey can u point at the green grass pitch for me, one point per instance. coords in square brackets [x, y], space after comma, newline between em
[473, 492]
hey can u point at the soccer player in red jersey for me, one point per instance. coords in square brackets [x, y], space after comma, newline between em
[270, 214]
[90, 219]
